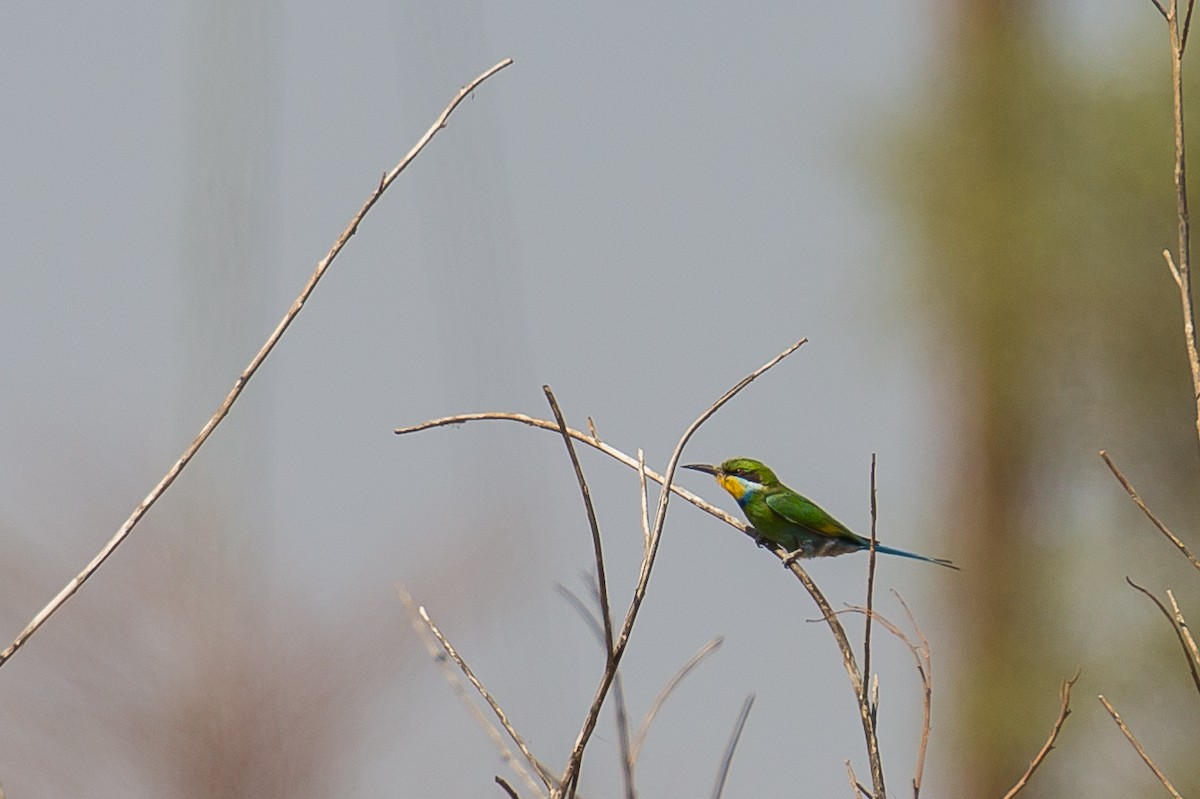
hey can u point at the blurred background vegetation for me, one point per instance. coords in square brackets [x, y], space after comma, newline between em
[1041, 198]
[1030, 190]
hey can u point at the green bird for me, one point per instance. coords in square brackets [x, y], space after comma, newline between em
[783, 517]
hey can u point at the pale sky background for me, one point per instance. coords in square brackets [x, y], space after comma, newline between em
[649, 204]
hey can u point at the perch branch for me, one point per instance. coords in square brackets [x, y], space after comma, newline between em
[571, 772]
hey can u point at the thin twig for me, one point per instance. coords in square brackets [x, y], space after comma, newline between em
[1181, 270]
[870, 585]
[856, 787]
[618, 689]
[456, 685]
[1161, 10]
[839, 633]
[924, 660]
[925, 655]
[731, 747]
[1185, 638]
[639, 738]
[621, 711]
[1064, 710]
[571, 773]
[1187, 24]
[243, 379]
[1138, 748]
[851, 665]
[583, 438]
[1137, 500]
[487, 697]
[1182, 632]
[503, 783]
[641, 467]
[593, 523]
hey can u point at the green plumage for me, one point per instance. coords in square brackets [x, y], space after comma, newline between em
[787, 519]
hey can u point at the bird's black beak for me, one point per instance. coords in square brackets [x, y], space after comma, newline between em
[704, 467]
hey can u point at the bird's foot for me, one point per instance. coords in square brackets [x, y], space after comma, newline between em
[760, 539]
[792, 557]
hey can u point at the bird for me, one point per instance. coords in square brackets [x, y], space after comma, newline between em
[782, 517]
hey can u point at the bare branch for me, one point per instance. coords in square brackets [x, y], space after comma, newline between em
[1182, 269]
[487, 697]
[644, 728]
[583, 438]
[856, 787]
[618, 689]
[508, 789]
[731, 747]
[1064, 710]
[870, 586]
[571, 773]
[641, 467]
[1179, 625]
[1187, 24]
[1161, 10]
[856, 679]
[242, 380]
[924, 660]
[1138, 748]
[443, 664]
[597, 544]
[1185, 638]
[1137, 500]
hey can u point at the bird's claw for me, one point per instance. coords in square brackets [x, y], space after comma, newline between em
[792, 557]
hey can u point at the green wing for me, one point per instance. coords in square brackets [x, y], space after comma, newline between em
[803, 513]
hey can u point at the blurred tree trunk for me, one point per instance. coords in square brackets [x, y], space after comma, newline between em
[1042, 198]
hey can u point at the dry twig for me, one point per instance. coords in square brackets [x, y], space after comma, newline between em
[619, 705]
[1180, 626]
[1064, 710]
[1137, 500]
[872, 554]
[1180, 267]
[731, 747]
[140, 511]
[571, 773]
[443, 664]
[1138, 748]
[856, 787]
[597, 544]
[639, 739]
[924, 659]
[487, 697]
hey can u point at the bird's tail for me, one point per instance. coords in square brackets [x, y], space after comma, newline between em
[904, 554]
